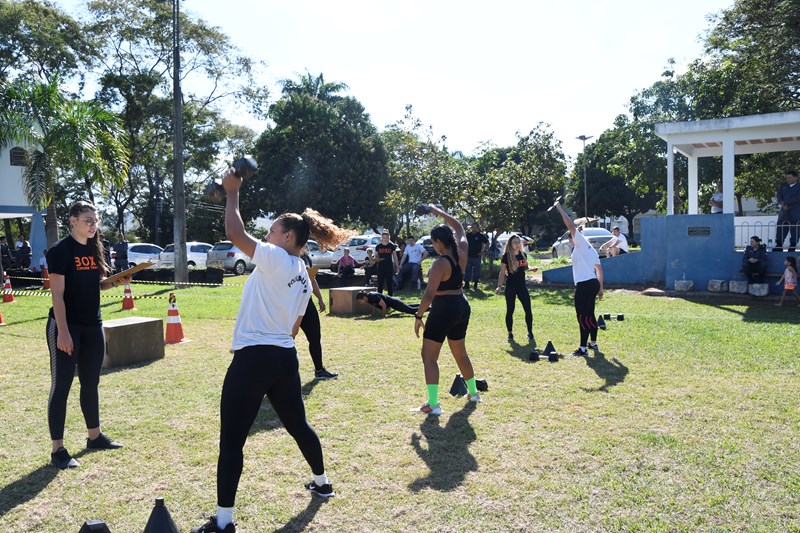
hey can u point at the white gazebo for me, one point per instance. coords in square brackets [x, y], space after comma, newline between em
[726, 137]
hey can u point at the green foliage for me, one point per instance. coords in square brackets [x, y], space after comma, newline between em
[322, 152]
[39, 40]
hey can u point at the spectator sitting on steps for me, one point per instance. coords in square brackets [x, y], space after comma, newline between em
[754, 263]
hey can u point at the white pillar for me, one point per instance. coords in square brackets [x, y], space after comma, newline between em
[727, 175]
[670, 180]
[693, 202]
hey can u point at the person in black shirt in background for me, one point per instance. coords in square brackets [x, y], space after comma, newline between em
[75, 328]
[121, 251]
[388, 267]
[513, 266]
[478, 246]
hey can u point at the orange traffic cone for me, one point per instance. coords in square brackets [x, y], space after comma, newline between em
[127, 299]
[46, 278]
[1, 320]
[8, 296]
[174, 327]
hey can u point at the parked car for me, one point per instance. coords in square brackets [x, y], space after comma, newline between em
[427, 243]
[225, 256]
[142, 252]
[502, 239]
[196, 253]
[319, 258]
[597, 237]
[358, 249]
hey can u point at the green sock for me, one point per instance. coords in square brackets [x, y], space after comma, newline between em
[471, 387]
[433, 394]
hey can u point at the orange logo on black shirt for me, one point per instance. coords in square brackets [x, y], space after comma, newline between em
[85, 263]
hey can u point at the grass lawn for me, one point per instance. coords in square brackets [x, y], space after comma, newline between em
[687, 420]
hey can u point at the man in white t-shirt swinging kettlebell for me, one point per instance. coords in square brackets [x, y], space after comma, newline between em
[588, 277]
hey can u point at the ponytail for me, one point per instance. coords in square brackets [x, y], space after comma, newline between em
[311, 222]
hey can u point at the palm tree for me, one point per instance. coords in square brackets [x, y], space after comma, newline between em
[67, 139]
[314, 87]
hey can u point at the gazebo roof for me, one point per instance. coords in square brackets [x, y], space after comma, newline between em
[772, 132]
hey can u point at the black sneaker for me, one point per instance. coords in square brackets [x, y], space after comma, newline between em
[593, 346]
[102, 443]
[325, 491]
[510, 337]
[475, 286]
[211, 526]
[530, 336]
[324, 374]
[62, 459]
[580, 353]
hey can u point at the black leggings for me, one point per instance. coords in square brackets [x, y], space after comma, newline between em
[585, 294]
[257, 371]
[313, 332]
[88, 351]
[385, 276]
[521, 292]
[400, 305]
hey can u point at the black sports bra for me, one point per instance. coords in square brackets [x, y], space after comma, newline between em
[456, 277]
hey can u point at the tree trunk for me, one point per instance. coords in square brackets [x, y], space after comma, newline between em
[51, 224]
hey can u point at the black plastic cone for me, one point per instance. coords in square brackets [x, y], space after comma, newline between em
[600, 322]
[94, 526]
[459, 387]
[160, 520]
[549, 348]
[482, 385]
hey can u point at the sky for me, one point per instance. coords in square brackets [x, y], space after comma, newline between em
[476, 72]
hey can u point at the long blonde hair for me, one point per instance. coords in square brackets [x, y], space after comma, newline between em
[311, 222]
[511, 258]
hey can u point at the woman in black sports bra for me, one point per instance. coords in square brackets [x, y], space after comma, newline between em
[449, 318]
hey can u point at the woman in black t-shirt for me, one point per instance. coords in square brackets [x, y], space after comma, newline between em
[387, 267]
[75, 329]
[513, 266]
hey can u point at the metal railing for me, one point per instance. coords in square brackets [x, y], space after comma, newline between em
[767, 232]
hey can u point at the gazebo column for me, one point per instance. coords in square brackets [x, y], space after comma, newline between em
[728, 159]
[670, 180]
[693, 201]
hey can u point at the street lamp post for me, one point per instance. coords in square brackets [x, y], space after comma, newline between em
[583, 138]
[179, 228]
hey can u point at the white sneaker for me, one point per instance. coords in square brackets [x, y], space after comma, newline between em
[475, 398]
[428, 410]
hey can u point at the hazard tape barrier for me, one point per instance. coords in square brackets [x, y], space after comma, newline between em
[181, 283]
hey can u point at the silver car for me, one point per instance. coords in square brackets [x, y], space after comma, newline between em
[225, 256]
[319, 258]
[196, 253]
[597, 237]
[141, 252]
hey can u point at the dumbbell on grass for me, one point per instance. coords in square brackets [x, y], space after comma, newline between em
[609, 316]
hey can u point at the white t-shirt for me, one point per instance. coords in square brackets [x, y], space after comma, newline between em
[717, 197]
[414, 253]
[584, 258]
[276, 293]
[621, 242]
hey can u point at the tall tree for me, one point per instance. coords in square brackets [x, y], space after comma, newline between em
[322, 152]
[69, 140]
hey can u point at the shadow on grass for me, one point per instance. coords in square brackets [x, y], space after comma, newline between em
[267, 419]
[554, 296]
[613, 372]
[761, 310]
[26, 488]
[520, 351]
[447, 455]
[301, 520]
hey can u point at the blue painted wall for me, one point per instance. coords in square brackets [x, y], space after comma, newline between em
[693, 247]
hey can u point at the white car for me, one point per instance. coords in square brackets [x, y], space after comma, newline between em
[319, 258]
[196, 253]
[142, 252]
[597, 237]
[358, 249]
[225, 256]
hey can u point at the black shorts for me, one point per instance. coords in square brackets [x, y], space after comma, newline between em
[621, 251]
[449, 318]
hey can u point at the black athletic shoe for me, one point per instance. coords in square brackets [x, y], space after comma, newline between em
[102, 443]
[325, 491]
[580, 353]
[211, 527]
[510, 337]
[593, 346]
[530, 337]
[62, 459]
[475, 286]
[324, 374]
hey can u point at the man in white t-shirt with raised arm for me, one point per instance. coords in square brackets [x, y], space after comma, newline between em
[616, 245]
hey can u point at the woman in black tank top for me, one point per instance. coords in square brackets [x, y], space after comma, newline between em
[450, 311]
